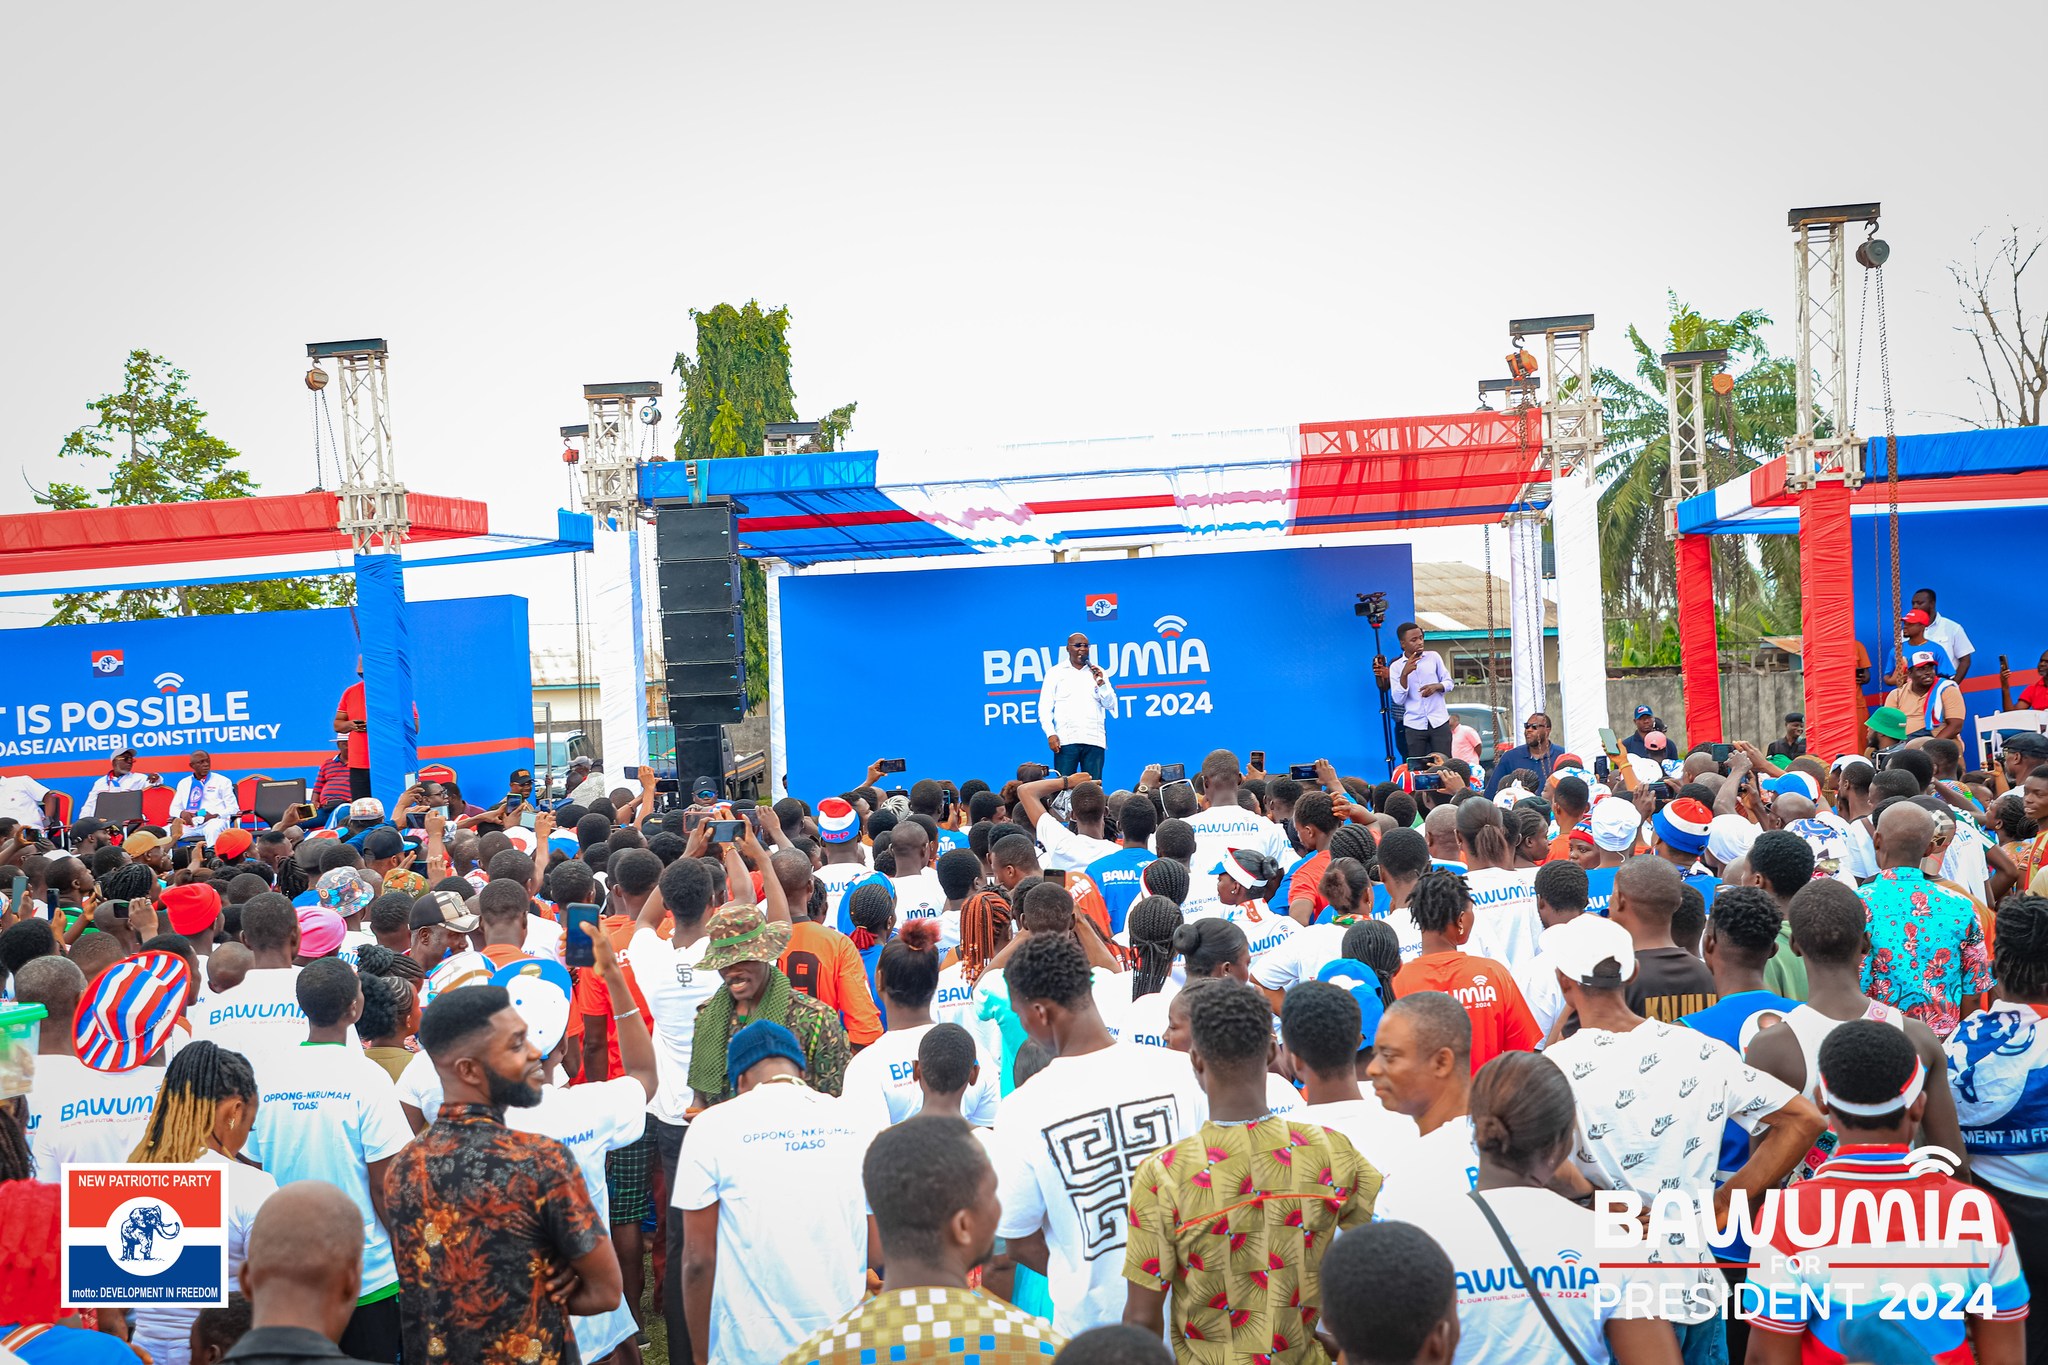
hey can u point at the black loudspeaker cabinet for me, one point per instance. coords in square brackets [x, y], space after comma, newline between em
[707, 708]
[699, 584]
[705, 678]
[702, 751]
[702, 637]
[695, 533]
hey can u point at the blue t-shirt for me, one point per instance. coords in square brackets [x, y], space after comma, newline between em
[950, 839]
[72, 1346]
[1942, 663]
[1119, 876]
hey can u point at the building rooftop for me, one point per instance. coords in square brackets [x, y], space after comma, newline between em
[1450, 599]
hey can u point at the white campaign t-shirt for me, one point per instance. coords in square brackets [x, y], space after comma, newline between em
[1504, 914]
[165, 1330]
[352, 944]
[21, 798]
[591, 1121]
[1111, 992]
[1537, 979]
[674, 987]
[543, 938]
[1067, 1143]
[838, 879]
[325, 1112]
[782, 1162]
[1066, 851]
[260, 1013]
[1498, 1324]
[1265, 932]
[1407, 933]
[880, 1084]
[78, 1114]
[956, 1002]
[1219, 830]
[1436, 1168]
[1300, 956]
[1652, 1103]
[1381, 1136]
[920, 897]
[1145, 1019]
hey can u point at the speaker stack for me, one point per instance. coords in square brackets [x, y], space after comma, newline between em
[703, 638]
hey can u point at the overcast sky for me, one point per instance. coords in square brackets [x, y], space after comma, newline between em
[990, 223]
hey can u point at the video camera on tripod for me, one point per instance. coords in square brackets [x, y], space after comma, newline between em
[1373, 607]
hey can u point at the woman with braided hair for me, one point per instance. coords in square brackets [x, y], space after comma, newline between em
[1167, 877]
[203, 1114]
[986, 927]
[391, 1010]
[1152, 924]
[871, 906]
[1998, 1071]
[1501, 1021]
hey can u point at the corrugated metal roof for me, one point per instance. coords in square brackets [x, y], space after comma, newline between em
[1452, 596]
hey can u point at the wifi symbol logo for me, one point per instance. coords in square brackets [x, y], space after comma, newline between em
[1170, 626]
[168, 682]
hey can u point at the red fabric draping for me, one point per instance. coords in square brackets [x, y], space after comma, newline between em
[196, 532]
[1698, 646]
[1466, 467]
[1827, 620]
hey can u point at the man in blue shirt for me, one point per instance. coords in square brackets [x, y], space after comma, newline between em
[1535, 755]
[1914, 626]
[1118, 876]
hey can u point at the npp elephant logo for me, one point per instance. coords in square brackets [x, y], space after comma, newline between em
[145, 1234]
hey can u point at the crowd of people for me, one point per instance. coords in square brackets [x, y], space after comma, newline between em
[1229, 1067]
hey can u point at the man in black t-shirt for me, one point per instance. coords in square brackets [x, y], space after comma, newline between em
[1793, 743]
[1669, 981]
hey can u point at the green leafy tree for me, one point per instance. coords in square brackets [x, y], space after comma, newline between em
[736, 384]
[1756, 578]
[152, 439]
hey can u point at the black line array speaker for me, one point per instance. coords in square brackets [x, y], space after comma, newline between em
[703, 634]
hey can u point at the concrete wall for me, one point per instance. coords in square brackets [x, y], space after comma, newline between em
[1753, 705]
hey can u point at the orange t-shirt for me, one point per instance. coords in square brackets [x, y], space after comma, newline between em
[594, 998]
[1307, 886]
[823, 964]
[1501, 1021]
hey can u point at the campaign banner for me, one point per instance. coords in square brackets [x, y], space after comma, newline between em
[259, 693]
[943, 667]
[1983, 604]
[145, 1234]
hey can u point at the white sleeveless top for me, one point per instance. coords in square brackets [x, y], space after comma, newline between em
[1810, 1029]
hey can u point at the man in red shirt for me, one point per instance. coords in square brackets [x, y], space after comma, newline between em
[352, 718]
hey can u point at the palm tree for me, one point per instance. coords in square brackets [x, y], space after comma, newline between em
[1756, 578]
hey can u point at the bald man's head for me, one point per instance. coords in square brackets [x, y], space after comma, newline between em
[1904, 834]
[305, 1259]
[1440, 827]
[1650, 886]
[1792, 806]
[226, 966]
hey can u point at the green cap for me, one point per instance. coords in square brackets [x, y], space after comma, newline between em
[1888, 721]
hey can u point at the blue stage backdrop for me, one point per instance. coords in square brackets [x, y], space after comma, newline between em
[1983, 600]
[942, 667]
[259, 693]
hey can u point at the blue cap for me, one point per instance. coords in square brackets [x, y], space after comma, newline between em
[1644, 712]
[1364, 984]
[755, 1044]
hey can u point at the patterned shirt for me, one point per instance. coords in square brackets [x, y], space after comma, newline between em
[330, 784]
[816, 1025]
[932, 1324]
[1926, 948]
[1234, 1220]
[481, 1218]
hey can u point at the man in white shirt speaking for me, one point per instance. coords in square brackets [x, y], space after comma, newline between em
[1418, 682]
[1072, 706]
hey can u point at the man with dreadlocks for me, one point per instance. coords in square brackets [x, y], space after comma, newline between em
[203, 1114]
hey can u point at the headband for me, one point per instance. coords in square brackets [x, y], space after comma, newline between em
[1914, 1085]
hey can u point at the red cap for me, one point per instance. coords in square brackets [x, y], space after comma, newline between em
[233, 843]
[1917, 617]
[192, 908]
[437, 772]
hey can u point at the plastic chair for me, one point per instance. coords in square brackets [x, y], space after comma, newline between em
[156, 805]
[245, 800]
[1997, 727]
[64, 804]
